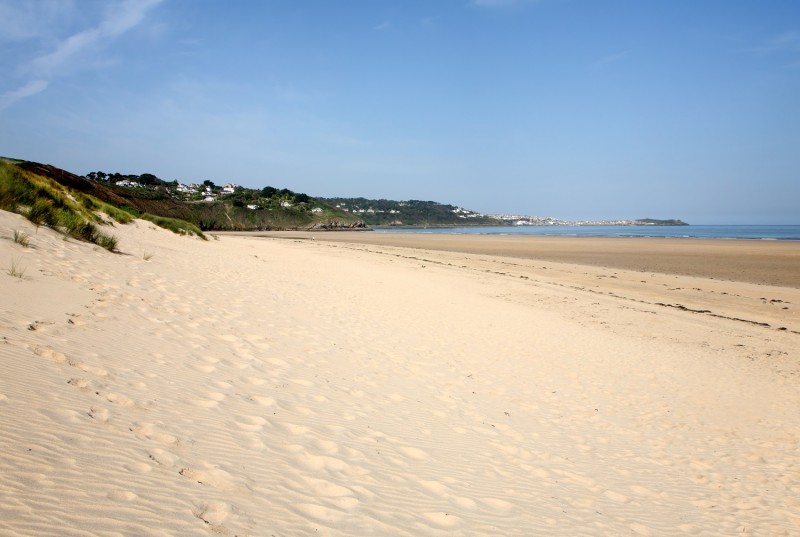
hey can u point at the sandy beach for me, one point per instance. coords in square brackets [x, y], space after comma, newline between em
[371, 384]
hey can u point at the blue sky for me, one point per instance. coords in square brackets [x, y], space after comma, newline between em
[568, 108]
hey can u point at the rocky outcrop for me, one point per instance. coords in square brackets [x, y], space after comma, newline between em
[335, 225]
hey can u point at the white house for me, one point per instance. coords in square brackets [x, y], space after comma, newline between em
[185, 189]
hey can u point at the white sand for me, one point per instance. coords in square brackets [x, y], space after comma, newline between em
[263, 387]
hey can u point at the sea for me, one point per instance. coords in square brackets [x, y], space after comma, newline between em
[779, 233]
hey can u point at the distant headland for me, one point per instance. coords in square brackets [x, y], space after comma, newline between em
[208, 206]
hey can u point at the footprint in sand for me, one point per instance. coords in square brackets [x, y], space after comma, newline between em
[328, 489]
[328, 464]
[435, 488]
[138, 467]
[465, 503]
[213, 399]
[640, 529]
[99, 414]
[214, 514]
[443, 520]
[60, 358]
[149, 431]
[250, 423]
[162, 457]
[642, 491]
[413, 453]
[122, 496]
[50, 354]
[327, 447]
[254, 380]
[80, 383]
[302, 382]
[204, 403]
[326, 515]
[210, 476]
[97, 371]
[115, 398]
[496, 504]
[262, 400]
[294, 429]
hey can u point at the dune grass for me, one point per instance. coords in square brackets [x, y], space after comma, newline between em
[93, 204]
[181, 227]
[15, 270]
[22, 238]
[46, 203]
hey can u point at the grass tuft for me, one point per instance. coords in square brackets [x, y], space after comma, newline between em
[22, 238]
[15, 270]
[109, 242]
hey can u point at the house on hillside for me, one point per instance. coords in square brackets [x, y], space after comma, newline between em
[186, 189]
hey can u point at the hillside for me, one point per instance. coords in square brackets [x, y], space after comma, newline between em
[231, 207]
[210, 210]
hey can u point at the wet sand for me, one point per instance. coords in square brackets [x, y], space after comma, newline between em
[762, 262]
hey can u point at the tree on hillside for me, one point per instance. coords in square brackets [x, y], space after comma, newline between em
[148, 179]
[268, 191]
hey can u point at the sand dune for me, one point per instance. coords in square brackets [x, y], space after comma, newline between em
[247, 386]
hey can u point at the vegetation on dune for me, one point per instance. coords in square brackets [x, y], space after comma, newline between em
[21, 238]
[181, 227]
[70, 204]
[46, 203]
[15, 270]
